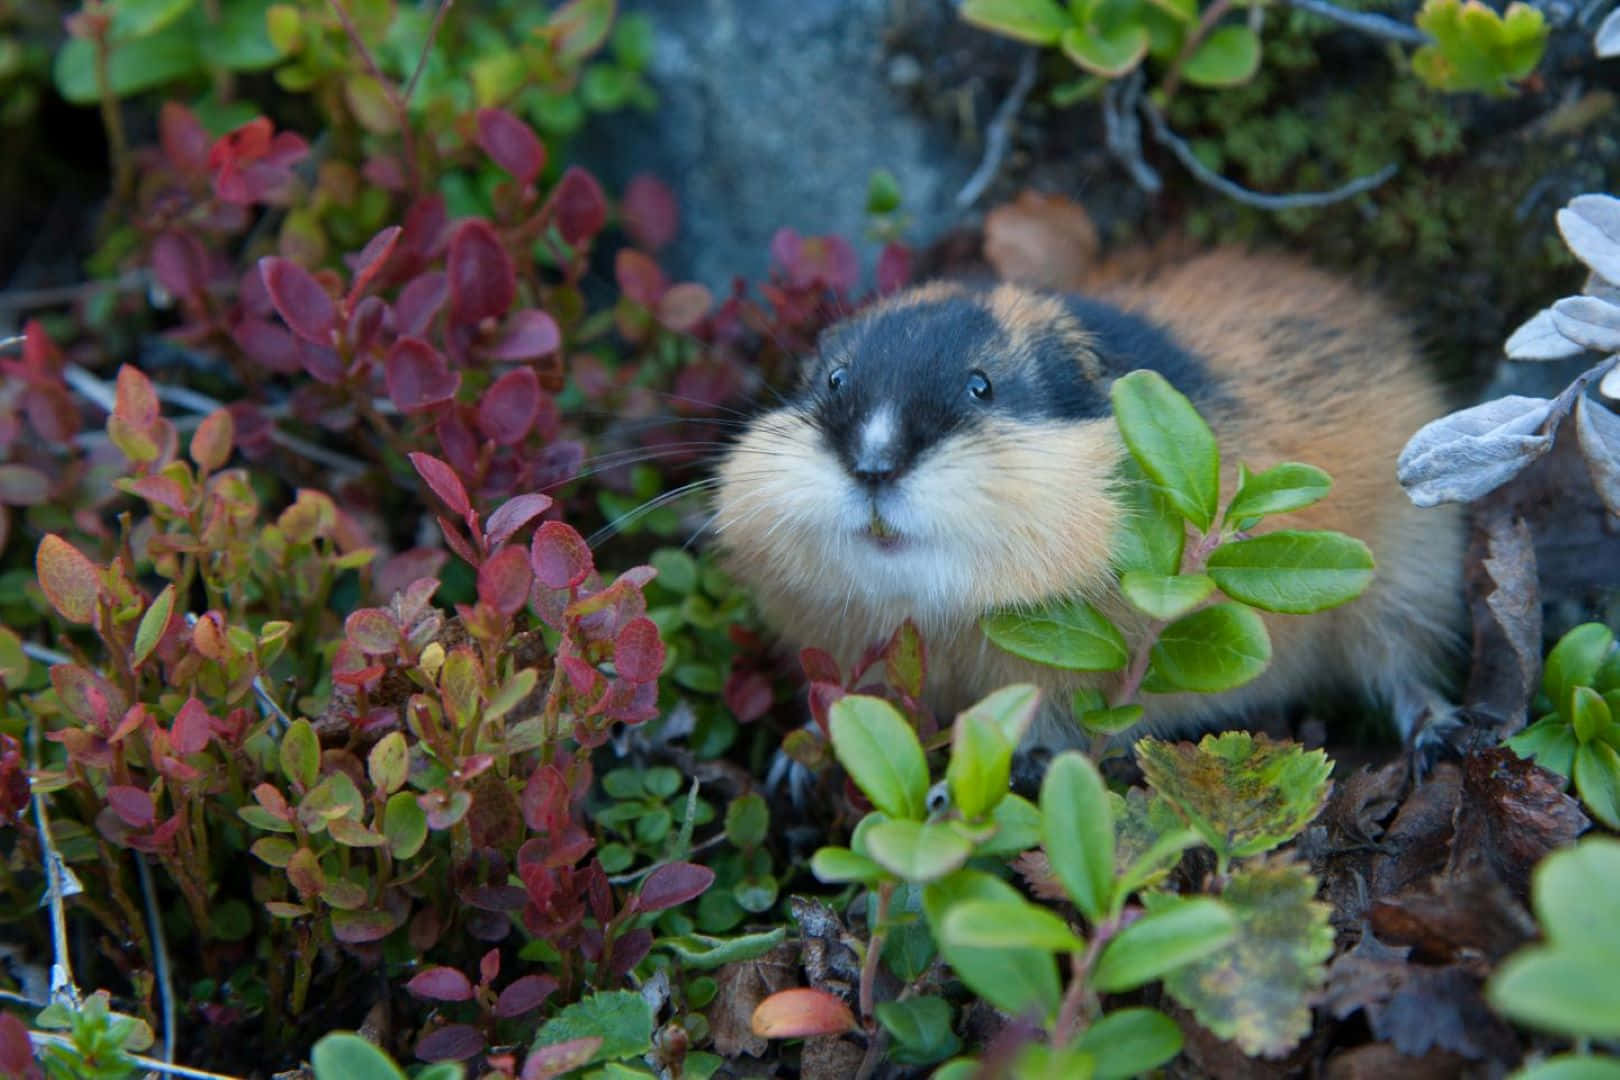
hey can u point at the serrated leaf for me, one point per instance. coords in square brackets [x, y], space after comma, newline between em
[1295, 572]
[1068, 634]
[1256, 989]
[915, 851]
[1017, 981]
[1220, 647]
[1243, 793]
[880, 751]
[1229, 56]
[1171, 442]
[621, 1019]
[1165, 597]
[1169, 936]
[1077, 830]
[1008, 924]
[1277, 490]
[1130, 1042]
[1038, 22]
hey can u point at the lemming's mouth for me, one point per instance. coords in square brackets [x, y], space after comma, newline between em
[881, 533]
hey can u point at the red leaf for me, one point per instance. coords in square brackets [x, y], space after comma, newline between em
[507, 408]
[527, 335]
[489, 966]
[683, 306]
[649, 212]
[639, 277]
[512, 515]
[366, 322]
[672, 884]
[185, 141]
[511, 144]
[299, 299]
[819, 666]
[162, 491]
[180, 263]
[135, 401]
[267, 344]
[549, 1062]
[441, 984]
[444, 482]
[560, 556]
[360, 927]
[893, 268]
[453, 1042]
[503, 580]
[581, 675]
[524, 994]
[372, 631]
[321, 361]
[578, 206]
[133, 805]
[419, 302]
[638, 654]
[192, 728]
[365, 265]
[70, 580]
[748, 695]
[810, 261]
[418, 375]
[482, 283]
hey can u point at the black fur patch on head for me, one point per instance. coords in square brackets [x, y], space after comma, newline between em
[1125, 342]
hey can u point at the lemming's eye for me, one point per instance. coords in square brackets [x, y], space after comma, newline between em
[837, 378]
[978, 384]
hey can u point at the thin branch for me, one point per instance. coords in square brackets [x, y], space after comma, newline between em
[160, 954]
[1366, 22]
[998, 136]
[1123, 132]
[21, 299]
[60, 883]
[1184, 154]
[47, 1038]
[44, 655]
[427, 47]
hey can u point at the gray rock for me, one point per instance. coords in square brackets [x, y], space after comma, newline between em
[774, 113]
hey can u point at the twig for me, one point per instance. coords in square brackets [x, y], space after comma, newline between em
[46, 1038]
[1123, 132]
[160, 954]
[427, 47]
[1366, 22]
[99, 393]
[21, 299]
[1184, 154]
[998, 136]
[59, 884]
[44, 655]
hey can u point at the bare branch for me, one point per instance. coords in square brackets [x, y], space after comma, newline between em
[998, 136]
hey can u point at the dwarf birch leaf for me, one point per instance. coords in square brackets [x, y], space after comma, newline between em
[1077, 829]
[1017, 981]
[1296, 572]
[880, 751]
[1069, 634]
[1169, 936]
[1256, 989]
[1171, 442]
[621, 1018]
[1243, 793]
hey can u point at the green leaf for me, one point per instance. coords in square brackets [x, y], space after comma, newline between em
[748, 820]
[915, 851]
[1162, 941]
[1165, 597]
[1130, 1042]
[1008, 924]
[153, 623]
[835, 865]
[1566, 991]
[133, 66]
[702, 951]
[1109, 53]
[1156, 861]
[1575, 661]
[1550, 741]
[240, 40]
[677, 570]
[1589, 714]
[882, 192]
[1077, 829]
[1011, 709]
[343, 1055]
[1151, 533]
[1277, 490]
[1243, 793]
[921, 1027]
[405, 825]
[1038, 22]
[137, 18]
[389, 763]
[980, 765]
[1109, 721]
[1217, 648]
[623, 1020]
[880, 751]
[1017, 981]
[1296, 572]
[1572, 1067]
[1597, 779]
[1018, 827]
[1168, 438]
[13, 660]
[1228, 57]
[300, 754]
[1069, 634]
[1256, 989]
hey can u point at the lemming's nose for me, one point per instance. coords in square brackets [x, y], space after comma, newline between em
[877, 450]
[876, 468]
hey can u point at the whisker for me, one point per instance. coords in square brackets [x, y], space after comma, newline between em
[613, 527]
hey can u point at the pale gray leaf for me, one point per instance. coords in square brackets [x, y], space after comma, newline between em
[1610, 386]
[1539, 339]
[1607, 40]
[1601, 287]
[1599, 432]
[1588, 321]
[1468, 454]
[1591, 228]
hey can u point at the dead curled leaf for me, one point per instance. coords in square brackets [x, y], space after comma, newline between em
[741, 987]
[1042, 240]
[1505, 599]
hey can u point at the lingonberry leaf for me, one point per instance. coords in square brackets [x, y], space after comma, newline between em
[673, 884]
[507, 408]
[560, 556]
[418, 375]
[882, 754]
[638, 653]
[1019, 981]
[299, 299]
[482, 283]
[511, 144]
[444, 482]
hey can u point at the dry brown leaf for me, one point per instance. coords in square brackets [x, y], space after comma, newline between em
[741, 987]
[1046, 241]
